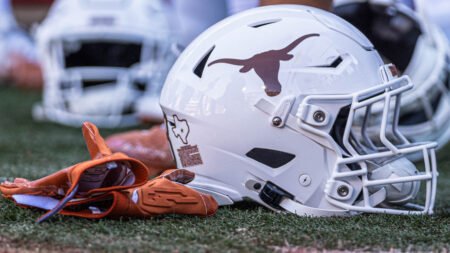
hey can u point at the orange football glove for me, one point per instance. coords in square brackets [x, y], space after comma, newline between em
[163, 195]
[104, 173]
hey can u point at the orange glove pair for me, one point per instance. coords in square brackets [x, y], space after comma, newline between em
[109, 185]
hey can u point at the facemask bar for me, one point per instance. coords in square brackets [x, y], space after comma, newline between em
[388, 93]
[403, 149]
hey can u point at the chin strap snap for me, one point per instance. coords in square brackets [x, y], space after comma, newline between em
[272, 195]
[280, 199]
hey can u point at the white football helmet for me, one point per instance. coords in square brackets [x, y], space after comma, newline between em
[420, 50]
[99, 57]
[262, 106]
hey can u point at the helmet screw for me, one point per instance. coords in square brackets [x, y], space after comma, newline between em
[257, 186]
[276, 121]
[343, 191]
[319, 116]
[305, 180]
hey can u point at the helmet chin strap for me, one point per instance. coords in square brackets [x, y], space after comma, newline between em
[59, 206]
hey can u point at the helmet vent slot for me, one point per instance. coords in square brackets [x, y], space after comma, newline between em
[198, 70]
[334, 64]
[270, 157]
[264, 23]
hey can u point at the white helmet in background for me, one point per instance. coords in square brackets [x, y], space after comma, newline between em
[262, 106]
[99, 57]
[420, 50]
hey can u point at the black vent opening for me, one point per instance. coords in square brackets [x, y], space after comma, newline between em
[264, 23]
[338, 129]
[87, 84]
[272, 158]
[334, 64]
[198, 71]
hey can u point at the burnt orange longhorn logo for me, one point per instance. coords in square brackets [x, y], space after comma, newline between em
[267, 64]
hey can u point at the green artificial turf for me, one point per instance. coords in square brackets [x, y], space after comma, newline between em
[32, 150]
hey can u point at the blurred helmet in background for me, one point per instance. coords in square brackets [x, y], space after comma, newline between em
[99, 57]
[419, 49]
[263, 106]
